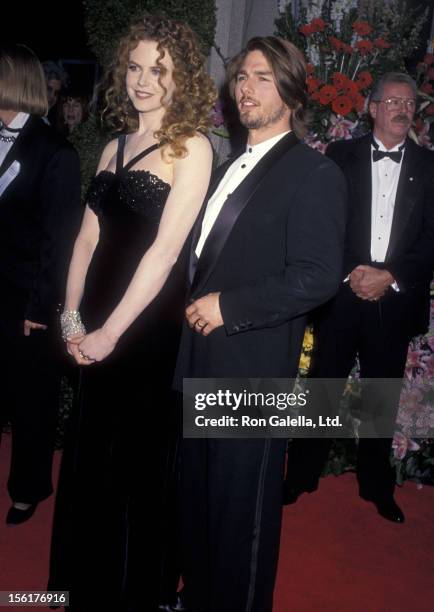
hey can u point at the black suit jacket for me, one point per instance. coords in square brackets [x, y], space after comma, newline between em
[39, 216]
[274, 253]
[410, 254]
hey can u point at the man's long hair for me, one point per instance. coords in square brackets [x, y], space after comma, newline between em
[289, 70]
[22, 81]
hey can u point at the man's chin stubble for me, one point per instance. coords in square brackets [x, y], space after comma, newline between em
[255, 123]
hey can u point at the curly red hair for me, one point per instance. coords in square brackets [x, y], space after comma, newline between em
[190, 107]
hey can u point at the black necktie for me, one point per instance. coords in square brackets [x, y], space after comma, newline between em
[394, 155]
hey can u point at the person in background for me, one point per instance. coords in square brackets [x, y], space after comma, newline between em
[384, 297]
[57, 80]
[39, 213]
[73, 110]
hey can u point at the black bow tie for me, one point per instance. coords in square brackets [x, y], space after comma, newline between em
[395, 155]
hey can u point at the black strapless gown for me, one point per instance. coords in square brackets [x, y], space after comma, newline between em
[115, 507]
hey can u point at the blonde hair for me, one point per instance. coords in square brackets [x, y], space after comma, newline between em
[22, 81]
[190, 107]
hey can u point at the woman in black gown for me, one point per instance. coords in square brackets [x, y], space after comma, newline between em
[114, 509]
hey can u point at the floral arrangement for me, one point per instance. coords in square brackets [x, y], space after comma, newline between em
[425, 113]
[219, 127]
[347, 49]
[415, 458]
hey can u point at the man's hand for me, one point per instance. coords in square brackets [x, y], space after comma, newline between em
[370, 283]
[94, 347]
[29, 325]
[204, 314]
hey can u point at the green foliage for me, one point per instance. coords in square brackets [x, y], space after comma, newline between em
[107, 20]
[89, 139]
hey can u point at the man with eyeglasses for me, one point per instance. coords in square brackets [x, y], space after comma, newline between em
[384, 298]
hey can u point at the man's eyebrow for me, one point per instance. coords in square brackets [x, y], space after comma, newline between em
[260, 72]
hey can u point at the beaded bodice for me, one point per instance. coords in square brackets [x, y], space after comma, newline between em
[138, 191]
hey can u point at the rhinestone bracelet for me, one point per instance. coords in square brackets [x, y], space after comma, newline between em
[71, 324]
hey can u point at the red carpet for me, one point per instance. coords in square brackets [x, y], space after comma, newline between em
[337, 554]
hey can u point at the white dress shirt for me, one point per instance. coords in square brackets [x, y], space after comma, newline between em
[385, 177]
[234, 175]
[16, 123]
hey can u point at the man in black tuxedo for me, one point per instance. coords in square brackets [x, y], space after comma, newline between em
[384, 298]
[39, 212]
[266, 250]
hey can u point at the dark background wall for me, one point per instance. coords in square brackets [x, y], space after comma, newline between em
[52, 29]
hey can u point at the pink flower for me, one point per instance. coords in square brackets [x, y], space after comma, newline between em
[410, 400]
[431, 342]
[413, 359]
[401, 444]
[313, 141]
[429, 364]
[217, 115]
[340, 128]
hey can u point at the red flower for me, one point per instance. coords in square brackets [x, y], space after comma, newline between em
[318, 24]
[348, 49]
[430, 109]
[418, 124]
[337, 44]
[362, 28]
[427, 88]
[315, 96]
[428, 59]
[327, 94]
[342, 105]
[364, 46]
[339, 80]
[310, 68]
[351, 88]
[364, 79]
[307, 29]
[358, 102]
[312, 84]
[380, 43]
[430, 74]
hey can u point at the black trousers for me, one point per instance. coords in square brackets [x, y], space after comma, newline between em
[30, 383]
[382, 350]
[231, 497]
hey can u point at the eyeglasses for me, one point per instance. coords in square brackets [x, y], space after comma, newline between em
[393, 104]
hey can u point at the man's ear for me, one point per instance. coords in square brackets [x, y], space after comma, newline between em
[373, 109]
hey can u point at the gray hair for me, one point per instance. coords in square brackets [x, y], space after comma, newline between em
[53, 70]
[391, 77]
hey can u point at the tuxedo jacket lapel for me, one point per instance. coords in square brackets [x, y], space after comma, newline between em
[232, 208]
[406, 195]
[215, 180]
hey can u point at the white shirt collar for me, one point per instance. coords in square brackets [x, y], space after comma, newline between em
[262, 148]
[18, 121]
[381, 146]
